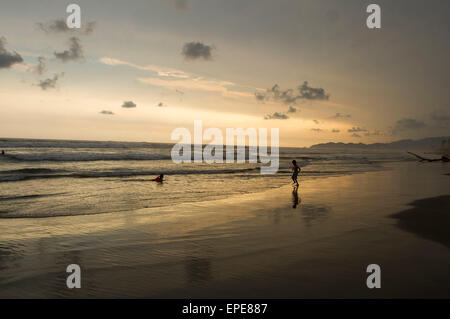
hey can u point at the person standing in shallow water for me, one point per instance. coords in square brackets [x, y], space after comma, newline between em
[296, 170]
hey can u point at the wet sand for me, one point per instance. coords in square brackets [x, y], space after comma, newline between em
[315, 243]
[429, 218]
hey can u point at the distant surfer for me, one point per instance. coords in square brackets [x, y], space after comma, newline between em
[159, 179]
[296, 170]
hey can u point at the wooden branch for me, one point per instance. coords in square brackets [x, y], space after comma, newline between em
[443, 158]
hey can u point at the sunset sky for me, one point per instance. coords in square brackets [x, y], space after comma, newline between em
[138, 69]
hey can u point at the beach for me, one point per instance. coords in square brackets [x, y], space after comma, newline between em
[151, 149]
[254, 245]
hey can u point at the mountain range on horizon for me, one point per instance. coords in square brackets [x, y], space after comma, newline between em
[436, 144]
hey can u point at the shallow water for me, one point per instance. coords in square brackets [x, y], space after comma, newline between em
[44, 178]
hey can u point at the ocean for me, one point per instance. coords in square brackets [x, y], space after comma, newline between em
[51, 178]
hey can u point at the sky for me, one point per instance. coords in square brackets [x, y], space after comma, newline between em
[138, 69]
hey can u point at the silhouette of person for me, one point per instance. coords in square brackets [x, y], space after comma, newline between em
[3, 152]
[296, 170]
[159, 179]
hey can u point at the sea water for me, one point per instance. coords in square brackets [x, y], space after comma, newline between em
[45, 178]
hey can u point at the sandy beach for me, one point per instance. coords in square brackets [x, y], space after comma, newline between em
[248, 246]
[151, 150]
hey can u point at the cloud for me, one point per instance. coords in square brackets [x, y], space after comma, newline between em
[309, 93]
[407, 124]
[161, 104]
[90, 26]
[179, 80]
[292, 109]
[373, 133]
[7, 59]
[197, 84]
[335, 130]
[276, 116]
[342, 116]
[318, 130]
[74, 53]
[440, 119]
[197, 50]
[106, 112]
[279, 115]
[49, 83]
[260, 96]
[356, 135]
[356, 129]
[55, 26]
[60, 26]
[291, 96]
[40, 68]
[160, 71]
[128, 104]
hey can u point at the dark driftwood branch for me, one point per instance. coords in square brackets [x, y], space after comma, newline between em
[443, 158]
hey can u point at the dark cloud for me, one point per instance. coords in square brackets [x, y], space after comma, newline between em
[310, 93]
[440, 117]
[292, 109]
[335, 130]
[181, 5]
[75, 52]
[7, 59]
[128, 104]
[407, 124]
[106, 112]
[197, 50]
[40, 68]
[318, 130]
[90, 26]
[49, 83]
[440, 120]
[60, 26]
[356, 129]
[356, 135]
[342, 116]
[275, 94]
[276, 116]
[260, 96]
[55, 26]
[161, 104]
[291, 96]
[279, 115]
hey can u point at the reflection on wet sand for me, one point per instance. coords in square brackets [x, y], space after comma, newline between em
[40, 253]
[254, 245]
[295, 199]
[312, 213]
